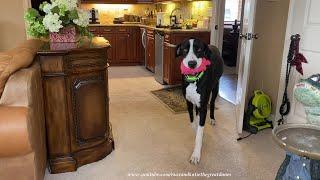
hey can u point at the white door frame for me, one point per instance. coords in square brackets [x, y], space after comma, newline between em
[218, 14]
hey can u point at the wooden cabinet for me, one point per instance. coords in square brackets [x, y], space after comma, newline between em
[167, 55]
[75, 85]
[145, 1]
[112, 51]
[124, 40]
[124, 47]
[150, 51]
[117, 1]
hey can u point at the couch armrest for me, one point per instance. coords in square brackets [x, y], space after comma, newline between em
[18, 89]
[24, 89]
[14, 138]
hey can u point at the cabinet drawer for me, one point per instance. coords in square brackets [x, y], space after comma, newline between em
[107, 29]
[87, 60]
[94, 30]
[123, 29]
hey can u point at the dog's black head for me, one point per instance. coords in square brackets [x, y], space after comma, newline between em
[192, 51]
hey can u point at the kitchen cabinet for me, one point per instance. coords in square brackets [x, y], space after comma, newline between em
[140, 50]
[124, 40]
[111, 53]
[150, 51]
[124, 47]
[116, 1]
[145, 1]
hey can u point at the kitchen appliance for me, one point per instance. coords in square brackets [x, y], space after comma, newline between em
[144, 43]
[160, 19]
[174, 22]
[158, 70]
[94, 14]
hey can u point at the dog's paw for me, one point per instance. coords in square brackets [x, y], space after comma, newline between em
[212, 122]
[195, 158]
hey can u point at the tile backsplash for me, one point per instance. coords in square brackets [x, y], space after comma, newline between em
[196, 11]
[107, 12]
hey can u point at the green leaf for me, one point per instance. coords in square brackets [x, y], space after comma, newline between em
[55, 10]
[73, 14]
[31, 15]
[65, 20]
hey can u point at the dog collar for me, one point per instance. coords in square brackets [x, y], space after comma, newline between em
[192, 79]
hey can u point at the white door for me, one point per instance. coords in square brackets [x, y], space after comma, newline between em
[303, 19]
[244, 60]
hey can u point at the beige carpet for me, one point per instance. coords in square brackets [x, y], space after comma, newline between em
[150, 138]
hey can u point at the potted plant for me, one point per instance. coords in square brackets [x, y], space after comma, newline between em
[62, 21]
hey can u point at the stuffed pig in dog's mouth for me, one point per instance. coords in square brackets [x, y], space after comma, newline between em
[193, 71]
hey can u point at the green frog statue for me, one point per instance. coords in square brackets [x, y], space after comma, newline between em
[307, 92]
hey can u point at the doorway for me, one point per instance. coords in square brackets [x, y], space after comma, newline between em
[229, 51]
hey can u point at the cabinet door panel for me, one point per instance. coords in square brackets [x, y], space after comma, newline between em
[150, 53]
[166, 62]
[123, 47]
[89, 107]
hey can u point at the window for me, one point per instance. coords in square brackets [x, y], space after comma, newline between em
[232, 10]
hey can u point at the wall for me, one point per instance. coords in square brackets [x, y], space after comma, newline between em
[190, 10]
[270, 24]
[107, 12]
[12, 27]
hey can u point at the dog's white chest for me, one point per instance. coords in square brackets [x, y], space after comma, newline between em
[192, 95]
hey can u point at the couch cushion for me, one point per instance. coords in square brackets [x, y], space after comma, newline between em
[14, 137]
[17, 58]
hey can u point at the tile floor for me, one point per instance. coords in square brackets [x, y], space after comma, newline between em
[150, 138]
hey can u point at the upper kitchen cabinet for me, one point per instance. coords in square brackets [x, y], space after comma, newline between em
[145, 1]
[115, 1]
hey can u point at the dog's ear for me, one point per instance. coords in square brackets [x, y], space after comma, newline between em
[178, 50]
[207, 51]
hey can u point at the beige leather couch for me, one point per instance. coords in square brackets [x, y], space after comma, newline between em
[22, 123]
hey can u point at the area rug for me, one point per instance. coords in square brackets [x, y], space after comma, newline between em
[173, 98]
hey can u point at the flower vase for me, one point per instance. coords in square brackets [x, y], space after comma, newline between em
[65, 35]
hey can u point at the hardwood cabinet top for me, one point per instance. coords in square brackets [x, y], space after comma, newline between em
[82, 45]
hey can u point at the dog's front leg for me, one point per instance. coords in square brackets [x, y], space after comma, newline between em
[192, 120]
[196, 155]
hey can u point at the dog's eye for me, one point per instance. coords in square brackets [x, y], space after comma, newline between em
[199, 50]
[185, 50]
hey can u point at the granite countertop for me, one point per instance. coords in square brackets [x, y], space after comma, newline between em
[154, 28]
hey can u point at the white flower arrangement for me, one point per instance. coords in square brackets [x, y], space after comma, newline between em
[58, 14]
[83, 19]
[52, 22]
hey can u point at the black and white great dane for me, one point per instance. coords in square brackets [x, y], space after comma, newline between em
[202, 68]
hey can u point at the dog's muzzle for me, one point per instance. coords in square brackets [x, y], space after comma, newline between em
[192, 64]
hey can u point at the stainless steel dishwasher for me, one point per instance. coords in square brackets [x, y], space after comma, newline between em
[158, 70]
